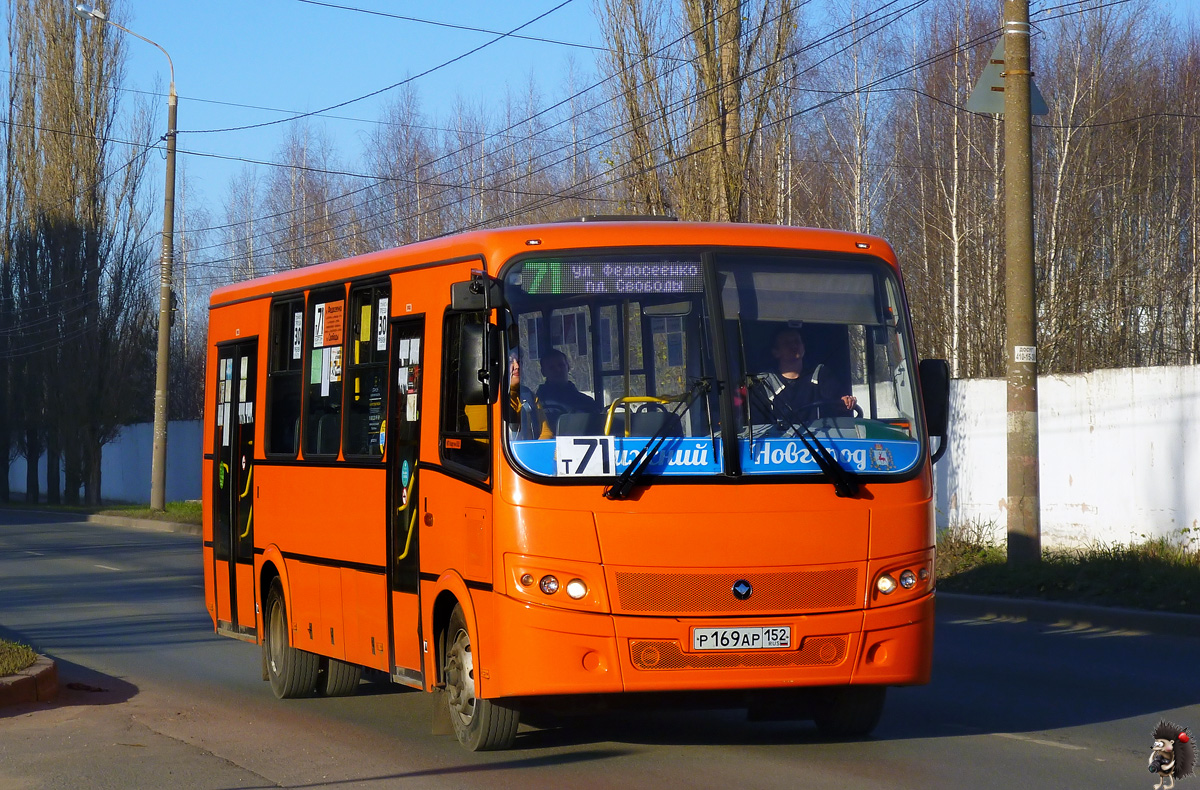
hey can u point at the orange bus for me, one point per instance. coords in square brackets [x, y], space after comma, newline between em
[579, 459]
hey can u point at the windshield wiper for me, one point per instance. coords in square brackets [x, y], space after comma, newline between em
[623, 485]
[845, 484]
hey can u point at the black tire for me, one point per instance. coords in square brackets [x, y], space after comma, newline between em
[850, 711]
[479, 724]
[292, 672]
[338, 678]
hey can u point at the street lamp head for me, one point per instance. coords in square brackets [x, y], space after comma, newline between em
[90, 12]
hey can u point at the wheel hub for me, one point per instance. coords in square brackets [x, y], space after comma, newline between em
[460, 678]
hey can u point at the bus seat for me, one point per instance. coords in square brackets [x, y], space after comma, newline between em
[580, 424]
[328, 428]
[649, 423]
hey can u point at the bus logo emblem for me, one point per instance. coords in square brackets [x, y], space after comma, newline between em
[742, 589]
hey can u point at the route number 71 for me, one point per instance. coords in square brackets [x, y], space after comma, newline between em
[583, 456]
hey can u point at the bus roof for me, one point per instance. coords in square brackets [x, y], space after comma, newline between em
[499, 244]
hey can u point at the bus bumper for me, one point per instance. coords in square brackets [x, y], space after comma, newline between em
[543, 651]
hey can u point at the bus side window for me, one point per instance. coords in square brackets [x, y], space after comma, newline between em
[465, 433]
[286, 363]
[323, 343]
[366, 393]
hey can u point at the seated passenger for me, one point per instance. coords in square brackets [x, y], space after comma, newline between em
[557, 395]
[793, 392]
[524, 417]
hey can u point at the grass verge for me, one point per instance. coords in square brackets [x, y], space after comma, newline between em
[188, 512]
[1159, 574]
[14, 657]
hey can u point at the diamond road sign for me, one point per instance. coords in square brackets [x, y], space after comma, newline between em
[988, 95]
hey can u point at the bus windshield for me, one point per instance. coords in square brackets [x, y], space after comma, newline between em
[611, 353]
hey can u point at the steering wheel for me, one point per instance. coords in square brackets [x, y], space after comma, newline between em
[837, 404]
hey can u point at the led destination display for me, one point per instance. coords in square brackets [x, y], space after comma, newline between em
[617, 277]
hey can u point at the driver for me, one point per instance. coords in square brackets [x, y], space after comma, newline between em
[789, 393]
[558, 395]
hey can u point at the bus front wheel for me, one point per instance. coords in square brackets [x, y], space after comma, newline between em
[292, 672]
[479, 724]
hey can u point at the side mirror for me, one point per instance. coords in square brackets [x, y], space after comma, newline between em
[479, 367]
[935, 388]
[468, 296]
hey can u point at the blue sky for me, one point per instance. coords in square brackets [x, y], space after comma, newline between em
[298, 56]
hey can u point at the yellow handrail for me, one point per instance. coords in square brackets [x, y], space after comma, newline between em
[625, 401]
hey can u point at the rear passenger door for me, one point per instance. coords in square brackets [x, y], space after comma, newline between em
[233, 487]
[403, 438]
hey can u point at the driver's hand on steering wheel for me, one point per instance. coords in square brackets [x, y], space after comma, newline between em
[849, 401]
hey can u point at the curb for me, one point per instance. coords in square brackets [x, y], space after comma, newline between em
[1077, 615]
[37, 683]
[148, 524]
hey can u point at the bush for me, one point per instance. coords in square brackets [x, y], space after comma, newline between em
[1159, 573]
[14, 657]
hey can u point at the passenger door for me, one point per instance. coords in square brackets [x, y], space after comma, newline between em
[233, 489]
[404, 528]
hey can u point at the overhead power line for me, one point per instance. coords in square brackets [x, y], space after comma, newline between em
[404, 81]
[452, 26]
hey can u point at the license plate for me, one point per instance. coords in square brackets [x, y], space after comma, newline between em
[772, 637]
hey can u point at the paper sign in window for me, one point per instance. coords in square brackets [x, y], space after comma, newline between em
[314, 368]
[364, 324]
[381, 325]
[297, 334]
[335, 364]
[334, 321]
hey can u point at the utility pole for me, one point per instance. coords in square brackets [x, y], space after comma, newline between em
[162, 377]
[1024, 502]
[158, 457]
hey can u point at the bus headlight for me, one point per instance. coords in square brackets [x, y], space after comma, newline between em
[576, 589]
[541, 581]
[902, 578]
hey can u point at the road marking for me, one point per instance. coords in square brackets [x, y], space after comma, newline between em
[107, 567]
[1039, 741]
[35, 553]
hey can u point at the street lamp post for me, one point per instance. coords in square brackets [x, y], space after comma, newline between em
[158, 463]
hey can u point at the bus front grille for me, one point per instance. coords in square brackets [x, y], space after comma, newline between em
[665, 654]
[707, 593]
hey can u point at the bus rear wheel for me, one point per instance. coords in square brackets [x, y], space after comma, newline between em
[338, 678]
[479, 724]
[292, 672]
[850, 711]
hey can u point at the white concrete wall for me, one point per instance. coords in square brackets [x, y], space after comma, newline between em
[1116, 447]
[125, 465]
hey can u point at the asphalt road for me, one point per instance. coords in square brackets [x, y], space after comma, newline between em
[160, 701]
